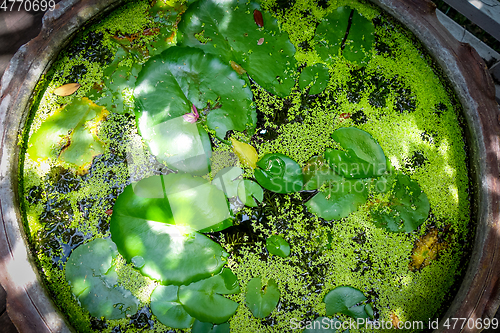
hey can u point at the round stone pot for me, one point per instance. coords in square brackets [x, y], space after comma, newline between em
[30, 307]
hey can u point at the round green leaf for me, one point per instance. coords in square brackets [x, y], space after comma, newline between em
[228, 30]
[340, 199]
[317, 75]
[278, 246]
[332, 30]
[204, 301]
[93, 281]
[346, 300]
[408, 206]
[144, 217]
[227, 180]
[279, 173]
[170, 83]
[202, 327]
[249, 193]
[262, 299]
[166, 307]
[363, 158]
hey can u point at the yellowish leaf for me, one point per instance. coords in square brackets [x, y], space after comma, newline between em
[395, 320]
[427, 248]
[66, 89]
[237, 68]
[246, 153]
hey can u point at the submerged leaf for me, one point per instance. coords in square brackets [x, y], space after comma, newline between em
[246, 153]
[279, 173]
[166, 307]
[317, 75]
[407, 209]
[144, 216]
[249, 191]
[66, 89]
[347, 300]
[93, 281]
[70, 134]
[278, 246]
[428, 247]
[170, 83]
[227, 180]
[262, 299]
[233, 27]
[317, 172]
[331, 32]
[202, 327]
[204, 301]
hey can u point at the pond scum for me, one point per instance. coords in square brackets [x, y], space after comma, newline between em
[399, 97]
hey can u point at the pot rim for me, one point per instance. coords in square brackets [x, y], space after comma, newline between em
[32, 310]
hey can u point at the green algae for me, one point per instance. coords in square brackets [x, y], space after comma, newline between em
[404, 105]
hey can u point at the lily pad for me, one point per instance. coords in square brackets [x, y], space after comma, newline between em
[340, 199]
[317, 75]
[332, 30]
[201, 327]
[93, 281]
[278, 246]
[204, 301]
[179, 77]
[363, 158]
[279, 173]
[408, 207]
[228, 30]
[249, 193]
[166, 307]
[227, 180]
[70, 134]
[144, 216]
[317, 172]
[349, 301]
[262, 299]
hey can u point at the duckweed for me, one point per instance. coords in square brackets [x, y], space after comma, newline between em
[399, 97]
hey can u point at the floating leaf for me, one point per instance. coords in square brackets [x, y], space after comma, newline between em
[144, 216]
[340, 199]
[249, 191]
[93, 281]
[232, 30]
[166, 307]
[201, 327]
[428, 247]
[347, 300]
[407, 209]
[278, 246]
[317, 172]
[70, 134]
[363, 158]
[227, 180]
[262, 299]
[170, 83]
[257, 16]
[66, 89]
[204, 301]
[279, 173]
[323, 325]
[317, 75]
[331, 32]
[246, 153]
